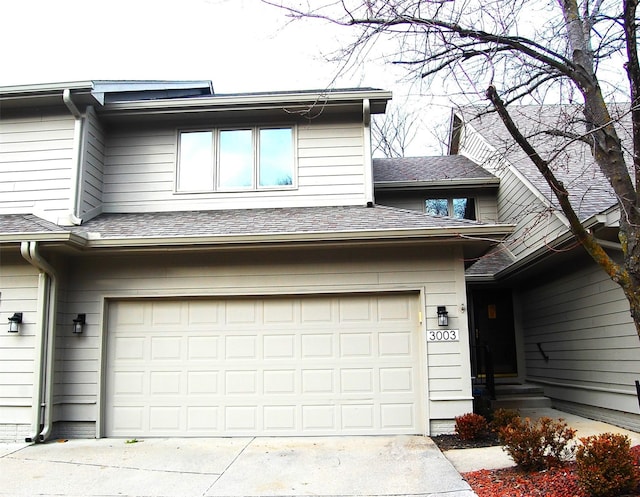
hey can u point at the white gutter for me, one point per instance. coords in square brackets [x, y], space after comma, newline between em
[290, 102]
[47, 298]
[76, 168]
[491, 232]
[444, 184]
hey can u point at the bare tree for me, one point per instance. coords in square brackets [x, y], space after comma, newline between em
[393, 132]
[524, 51]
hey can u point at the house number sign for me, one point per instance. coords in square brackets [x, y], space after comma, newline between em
[442, 335]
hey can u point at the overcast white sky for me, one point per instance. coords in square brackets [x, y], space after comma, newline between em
[241, 45]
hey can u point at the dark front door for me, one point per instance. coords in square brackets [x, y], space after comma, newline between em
[494, 330]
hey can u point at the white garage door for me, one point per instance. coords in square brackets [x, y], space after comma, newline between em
[271, 366]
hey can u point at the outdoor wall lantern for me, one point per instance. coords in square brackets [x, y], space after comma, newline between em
[79, 322]
[443, 316]
[14, 322]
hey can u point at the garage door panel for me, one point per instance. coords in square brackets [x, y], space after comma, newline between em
[279, 346]
[203, 348]
[280, 418]
[320, 418]
[279, 381]
[317, 345]
[356, 344]
[290, 366]
[202, 382]
[358, 417]
[396, 344]
[401, 416]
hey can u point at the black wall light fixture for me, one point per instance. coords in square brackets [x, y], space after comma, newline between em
[14, 322]
[443, 316]
[78, 323]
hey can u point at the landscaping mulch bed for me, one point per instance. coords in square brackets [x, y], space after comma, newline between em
[513, 482]
[448, 442]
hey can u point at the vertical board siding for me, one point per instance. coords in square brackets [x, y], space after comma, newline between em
[93, 165]
[140, 171]
[581, 321]
[177, 276]
[19, 289]
[36, 158]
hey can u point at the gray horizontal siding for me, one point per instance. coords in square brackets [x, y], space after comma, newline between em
[93, 279]
[18, 287]
[536, 224]
[140, 171]
[581, 320]
[36, 159]
[93, 167]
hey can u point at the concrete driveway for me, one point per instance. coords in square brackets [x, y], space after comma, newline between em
[324, 466]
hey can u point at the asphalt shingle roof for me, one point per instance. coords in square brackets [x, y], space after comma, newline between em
[27, 223]
[243, 223]
[572, 163]
[263, 222]
[433, 168]
[491, 263]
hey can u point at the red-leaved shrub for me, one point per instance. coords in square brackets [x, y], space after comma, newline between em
[502, 417]
[470, 426]
[537, 445]
[605, 465]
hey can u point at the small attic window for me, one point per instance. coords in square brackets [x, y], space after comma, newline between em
[458, 208]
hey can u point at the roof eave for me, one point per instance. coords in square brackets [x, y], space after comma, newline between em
[591, 223]
[378, 99]
[476, 183]
[54, 237]
[471, 233]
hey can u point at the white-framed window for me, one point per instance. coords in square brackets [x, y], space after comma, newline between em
[456, 207]
[244, 158]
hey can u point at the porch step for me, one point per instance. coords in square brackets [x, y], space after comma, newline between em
[520, 397]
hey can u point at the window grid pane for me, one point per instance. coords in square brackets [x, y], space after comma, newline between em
[195, 171]
[464, 208]
[437, 206]
[276, 157]
[236, 159]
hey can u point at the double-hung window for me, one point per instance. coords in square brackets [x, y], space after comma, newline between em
[251, 158]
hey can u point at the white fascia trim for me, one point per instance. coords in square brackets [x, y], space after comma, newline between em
[257, 101]
[62, 237]
[609, 218]
[44, 88]
[440, 184]
[489, 233]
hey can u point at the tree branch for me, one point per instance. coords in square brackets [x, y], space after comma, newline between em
[616, 272]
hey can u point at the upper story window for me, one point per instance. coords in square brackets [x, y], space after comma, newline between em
[249, 158]
[459, 208]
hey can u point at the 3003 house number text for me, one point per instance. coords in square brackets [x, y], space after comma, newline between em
[442, 335]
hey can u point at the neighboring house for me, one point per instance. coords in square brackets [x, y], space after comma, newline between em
[547, 312]
[175, 262]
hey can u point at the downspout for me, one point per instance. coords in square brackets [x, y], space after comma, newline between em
[78, 145]
[39, 362]
[48, 306]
